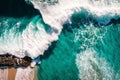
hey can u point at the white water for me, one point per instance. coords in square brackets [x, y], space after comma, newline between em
[30, 43]
[55, 15]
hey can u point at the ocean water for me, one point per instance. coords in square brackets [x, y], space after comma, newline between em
[86, 53]
[78, 41]
[86, 50]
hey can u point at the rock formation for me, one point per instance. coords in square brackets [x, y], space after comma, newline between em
[13, 61]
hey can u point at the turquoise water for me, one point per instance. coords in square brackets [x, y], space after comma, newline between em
[84, 51]
[109, 47]
[60, 65]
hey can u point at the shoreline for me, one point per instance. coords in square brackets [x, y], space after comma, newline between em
[35, 74]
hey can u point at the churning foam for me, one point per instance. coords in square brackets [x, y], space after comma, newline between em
[93, 67]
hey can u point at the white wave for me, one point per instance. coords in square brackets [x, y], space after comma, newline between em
[56, 14]
[28, 43]
[93, 67]
[32, 42]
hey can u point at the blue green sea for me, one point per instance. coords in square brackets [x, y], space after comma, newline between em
[87, 48]
[83, 52]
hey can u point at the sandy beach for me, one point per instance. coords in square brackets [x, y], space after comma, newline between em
[11, 73]
[18, 74]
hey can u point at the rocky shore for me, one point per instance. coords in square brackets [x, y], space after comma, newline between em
[13, 61]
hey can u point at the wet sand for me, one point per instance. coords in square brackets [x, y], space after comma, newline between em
[18, 74]
[11, 73]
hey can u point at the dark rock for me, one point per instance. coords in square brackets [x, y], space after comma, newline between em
[13, 61]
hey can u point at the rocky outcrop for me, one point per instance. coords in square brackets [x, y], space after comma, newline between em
[11, 60]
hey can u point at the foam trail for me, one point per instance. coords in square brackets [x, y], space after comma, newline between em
[93, 67]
